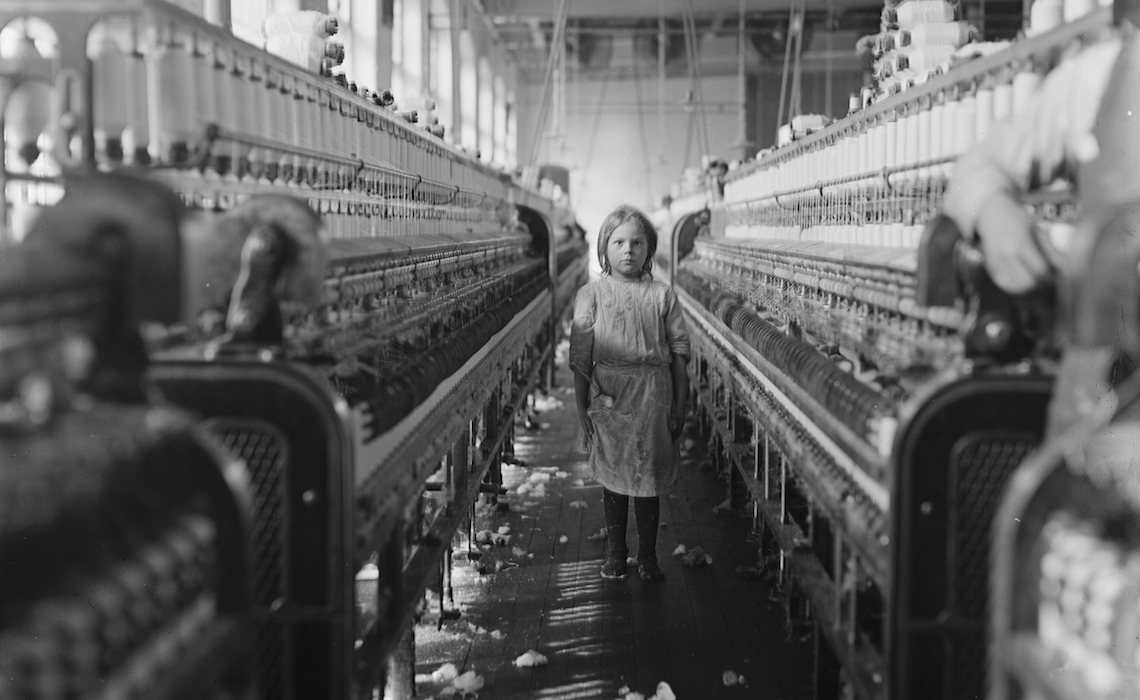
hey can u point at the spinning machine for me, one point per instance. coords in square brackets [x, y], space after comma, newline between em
[124, 531]
[867, 388]
[364, 310]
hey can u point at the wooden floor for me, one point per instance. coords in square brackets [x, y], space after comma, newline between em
[606, 639]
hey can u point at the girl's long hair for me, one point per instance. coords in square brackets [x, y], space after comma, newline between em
[625, 214]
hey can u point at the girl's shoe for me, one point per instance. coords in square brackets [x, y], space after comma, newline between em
[650, 571]
[614, 568]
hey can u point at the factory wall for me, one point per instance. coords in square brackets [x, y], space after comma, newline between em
[617, 152]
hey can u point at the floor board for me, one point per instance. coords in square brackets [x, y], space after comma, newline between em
[604, 639]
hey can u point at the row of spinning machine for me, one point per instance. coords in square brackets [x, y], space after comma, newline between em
[251, 388]
[874, 397]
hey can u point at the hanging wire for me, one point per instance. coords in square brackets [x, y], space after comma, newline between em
[796, 101]
[695, 71]
[644, 137]
[557, 41]
[790, 98]
[689, 138]
[828, 74]
[787, 67]
[742, 83]
[594, 127]
[661, 36]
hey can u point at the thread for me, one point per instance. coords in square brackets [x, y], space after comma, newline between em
[913, 13]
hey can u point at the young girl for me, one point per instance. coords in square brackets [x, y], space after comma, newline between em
[628, 350]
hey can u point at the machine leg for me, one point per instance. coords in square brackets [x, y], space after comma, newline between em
[826, 667]
[402, 668]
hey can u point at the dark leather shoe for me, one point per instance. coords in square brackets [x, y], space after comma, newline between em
[614, 568]
[650, 571]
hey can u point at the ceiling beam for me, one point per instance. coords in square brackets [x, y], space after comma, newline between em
[612, 9]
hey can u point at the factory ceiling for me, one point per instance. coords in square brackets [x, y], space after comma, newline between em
[597, 31]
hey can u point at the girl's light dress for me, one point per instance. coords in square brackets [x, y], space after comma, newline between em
[624, 337]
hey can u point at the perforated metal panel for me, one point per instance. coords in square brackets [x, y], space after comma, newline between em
[982, 465]
[265, 452]
[953, 461]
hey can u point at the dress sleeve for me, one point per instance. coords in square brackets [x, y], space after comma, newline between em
[582, 331]
[1037, 145]
[676, 333]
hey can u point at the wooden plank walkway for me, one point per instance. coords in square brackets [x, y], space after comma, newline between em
[606, 638]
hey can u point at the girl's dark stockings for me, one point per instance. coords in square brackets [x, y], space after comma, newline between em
[648, 512]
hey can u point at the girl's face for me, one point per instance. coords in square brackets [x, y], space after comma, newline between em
[626, 251]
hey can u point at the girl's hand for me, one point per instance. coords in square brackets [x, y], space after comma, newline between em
[587, 425]
[676, 421]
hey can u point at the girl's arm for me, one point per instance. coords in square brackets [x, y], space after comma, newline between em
[582, 393]
[582, 353]
[680, 395]
[678, 338]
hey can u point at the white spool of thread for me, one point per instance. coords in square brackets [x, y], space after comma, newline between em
[312, 123]
[110, 111]
[380, 146]
[258, 104]
[1075, 9]
[983, 109]
[863, 149]
[913, 13]
[891, 138]
[224, 154]
[949, 128]
[300, 22]
[295, 124]
[28, 110]
[171, 85]
[323, 135]
[241, 90]
[966, 123]
[923, 59]
[904, 148]
[954, 34]
[136, 135]
[205, 74]
[852, 141]
[1024, 85]
[1003, 98]
[911, 140]
[288, 165]
[1044, 15]
[936, 127]
[305, 50]
[273, 122]
[902, 120]
[923, 137]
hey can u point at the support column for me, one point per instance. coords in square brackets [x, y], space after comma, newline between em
[399, 84]
[410, 27]
[382, 49]
[499, 154]
[455, 23]
[512, 117]
[469, 89]
[486, 111]
[402, 668]
[424, 20]
[441, 33]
